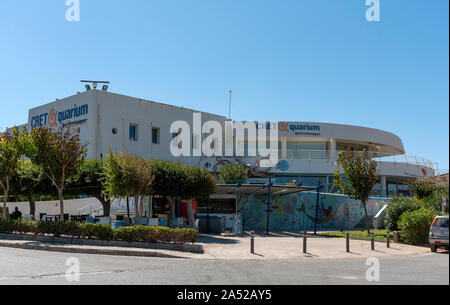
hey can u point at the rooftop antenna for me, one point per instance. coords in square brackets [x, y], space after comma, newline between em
[95, 84]
[229, 107]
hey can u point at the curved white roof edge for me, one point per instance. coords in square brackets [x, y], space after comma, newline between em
[342, 132]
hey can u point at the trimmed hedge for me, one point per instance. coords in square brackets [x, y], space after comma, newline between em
[99, 231]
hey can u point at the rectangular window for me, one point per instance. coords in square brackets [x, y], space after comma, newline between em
[155, 135]
[134, 132]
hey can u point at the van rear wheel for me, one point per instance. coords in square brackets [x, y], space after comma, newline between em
[433, 249]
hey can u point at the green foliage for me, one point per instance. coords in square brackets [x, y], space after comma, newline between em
[99, 231]
[11, 151]
[233, 173]
[89, 179]
[59, 154]
[156, 234]
[128, 175]
[422, 188]
[30, 179]
[359, 169]
[415, 226]
[396, 208]
[434, 200]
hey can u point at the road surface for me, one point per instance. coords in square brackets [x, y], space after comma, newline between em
[18, 266]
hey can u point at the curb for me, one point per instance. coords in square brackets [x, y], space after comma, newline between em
[61, 248]
[193, 248]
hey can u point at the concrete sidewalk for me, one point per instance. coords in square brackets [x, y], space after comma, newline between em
[289, 246]
[277, 246]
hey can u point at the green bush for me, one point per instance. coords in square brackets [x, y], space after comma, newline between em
[155, 234]
[415, 226]
[434, 200]
[396, 208]
[99, 231]
[96, 231]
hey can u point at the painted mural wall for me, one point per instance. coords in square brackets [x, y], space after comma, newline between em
[297, 211]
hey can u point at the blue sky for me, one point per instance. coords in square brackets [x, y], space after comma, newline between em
[298, 60]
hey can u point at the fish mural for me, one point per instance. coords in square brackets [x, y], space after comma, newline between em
[297, 211]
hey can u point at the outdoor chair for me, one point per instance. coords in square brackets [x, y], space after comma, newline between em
[163, 222]
[126, 221]
[153, 222]
[181, 222]
[105, 220]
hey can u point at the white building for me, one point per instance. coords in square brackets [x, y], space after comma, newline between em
[306, 151]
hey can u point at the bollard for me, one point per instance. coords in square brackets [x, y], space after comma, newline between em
[388, 237]
[347, 239]
[252, 242]
[305, 237]
[372, 241]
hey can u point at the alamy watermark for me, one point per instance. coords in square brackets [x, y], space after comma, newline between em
[373, 12]
[225, 140]
[73, 273]
[373, 272]
[73, 12]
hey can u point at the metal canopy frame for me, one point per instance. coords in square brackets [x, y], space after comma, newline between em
[270, 189]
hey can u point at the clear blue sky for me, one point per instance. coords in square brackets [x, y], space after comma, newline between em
[299, 60]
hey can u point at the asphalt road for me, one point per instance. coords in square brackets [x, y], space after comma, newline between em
[19, 266]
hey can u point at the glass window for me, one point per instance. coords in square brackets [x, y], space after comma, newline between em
[312, 150]
[155, 135]
[133, 132]
[392, 189]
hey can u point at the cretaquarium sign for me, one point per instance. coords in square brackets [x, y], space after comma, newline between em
[68, 117]
[301, 129]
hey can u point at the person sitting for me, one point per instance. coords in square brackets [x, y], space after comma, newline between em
[16, 214]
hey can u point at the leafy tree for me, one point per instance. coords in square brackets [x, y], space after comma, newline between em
[30, 181]
[11, 150]
[359, 169]
[233, 173]
[89, 180]
[169, 179]
[59, 154]
[200, 184]
[422, 188]
[129, 175]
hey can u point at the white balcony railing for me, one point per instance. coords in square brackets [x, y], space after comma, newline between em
[325, 155]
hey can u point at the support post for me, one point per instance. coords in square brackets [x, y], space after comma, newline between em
[388, 237]
[372, 241]
[252, 242]
[347, 242]
[207, 215]
[305, 238]
[317, 210]
[269, 195]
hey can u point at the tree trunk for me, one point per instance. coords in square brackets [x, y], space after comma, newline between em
[5, 201]
[151, 207]
[61, 204]
[190, 214]
[32, 206]
[138, 203]
[171, 212]
[367, 218]
[106, 204]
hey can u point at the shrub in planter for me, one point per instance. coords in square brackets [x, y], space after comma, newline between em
[155, 234]
[396, 208]
[96, 231]
[415, 226]
[7, 226]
